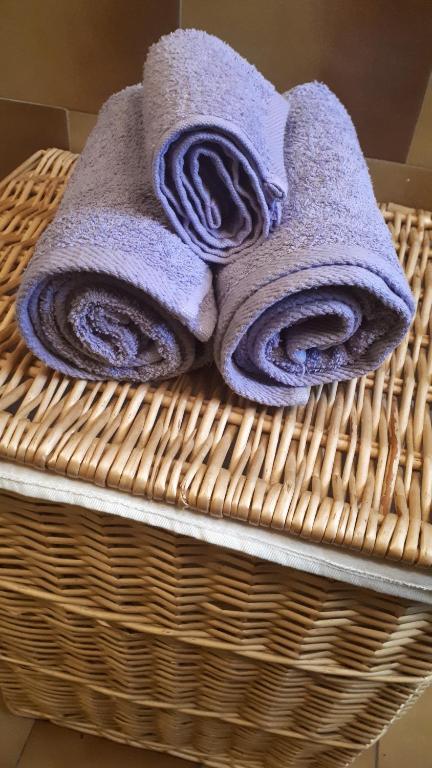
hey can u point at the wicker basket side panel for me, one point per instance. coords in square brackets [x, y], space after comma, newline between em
[166, 673]
[209, 740]
[170, 583]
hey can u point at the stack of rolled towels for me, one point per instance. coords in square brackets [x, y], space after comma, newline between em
[211, 218]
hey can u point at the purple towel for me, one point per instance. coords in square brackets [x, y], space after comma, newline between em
[110, 292]
[324, 298]
[214, 143]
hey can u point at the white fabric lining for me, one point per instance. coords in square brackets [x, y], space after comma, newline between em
[289, 551]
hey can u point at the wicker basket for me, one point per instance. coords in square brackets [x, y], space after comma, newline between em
[118, 628]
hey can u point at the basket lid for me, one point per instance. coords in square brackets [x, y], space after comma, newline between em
[352, 468]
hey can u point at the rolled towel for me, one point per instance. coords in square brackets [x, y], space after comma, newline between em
[110, 292]
[324, 299]
[214, 143]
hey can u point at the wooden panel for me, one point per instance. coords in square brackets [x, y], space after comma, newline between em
[376, 54]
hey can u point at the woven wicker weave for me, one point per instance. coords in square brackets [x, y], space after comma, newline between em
[353, 468]
[113, 627]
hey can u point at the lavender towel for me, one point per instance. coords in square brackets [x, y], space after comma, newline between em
[214, 143]
[110, 292]
[324, 299]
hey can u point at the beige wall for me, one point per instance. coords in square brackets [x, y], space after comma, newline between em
[60, 59]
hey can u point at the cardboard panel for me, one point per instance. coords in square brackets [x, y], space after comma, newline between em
[75, 54]
[80, 125]
[26, 128]
[375, 54]
[420, 151]
[400, 183]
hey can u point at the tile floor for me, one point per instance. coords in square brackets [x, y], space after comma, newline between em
[28, 744]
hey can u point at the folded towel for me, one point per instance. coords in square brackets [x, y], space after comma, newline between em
[324, 298]
[110, 292]
[214, 143]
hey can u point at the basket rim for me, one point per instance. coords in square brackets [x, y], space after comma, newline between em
[352, 469]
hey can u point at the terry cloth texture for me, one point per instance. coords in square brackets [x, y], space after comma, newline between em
[324, 298]
[214, 143]
[111, 292]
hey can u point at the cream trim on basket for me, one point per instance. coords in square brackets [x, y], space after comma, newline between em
[320, 559]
